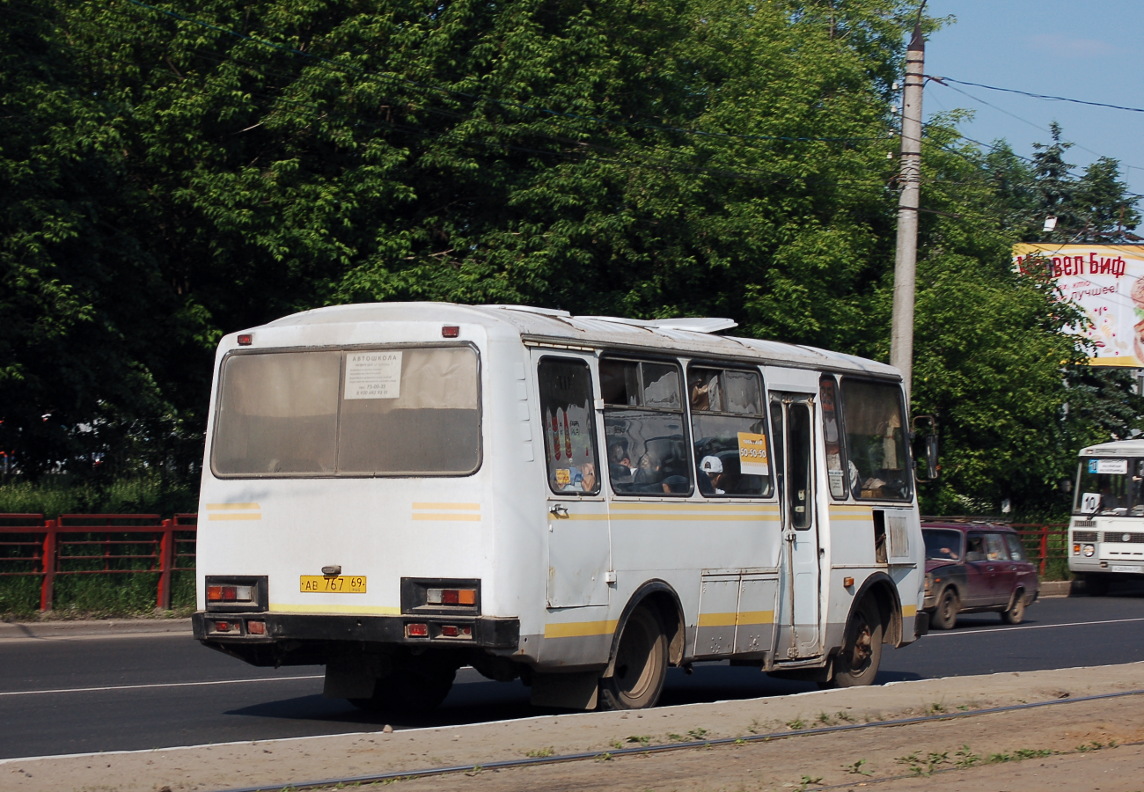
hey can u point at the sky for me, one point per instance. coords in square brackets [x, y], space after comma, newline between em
[1084, 50]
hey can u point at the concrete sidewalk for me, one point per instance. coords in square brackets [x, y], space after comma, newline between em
[1093, 708]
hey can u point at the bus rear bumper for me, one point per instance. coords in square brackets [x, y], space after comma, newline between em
[262, 634]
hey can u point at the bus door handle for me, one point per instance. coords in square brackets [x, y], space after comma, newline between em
[559, 511]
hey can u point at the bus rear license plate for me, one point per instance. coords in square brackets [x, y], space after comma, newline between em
[339, 584]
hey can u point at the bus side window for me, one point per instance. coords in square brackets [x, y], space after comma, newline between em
[729, 430]
[876, 440]
[840, 482]
[644, 425]
[569, 426]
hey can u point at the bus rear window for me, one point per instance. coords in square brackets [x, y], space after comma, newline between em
[360, 412]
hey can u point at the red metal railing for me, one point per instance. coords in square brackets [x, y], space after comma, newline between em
[1044, 541]
[124, 544]
[97, 544]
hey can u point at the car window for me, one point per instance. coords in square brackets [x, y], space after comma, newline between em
[995, 548]
[1016, 549]
[975, 548]
[942, 545]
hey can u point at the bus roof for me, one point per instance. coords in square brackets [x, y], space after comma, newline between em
[695, 336]
[1115, 449]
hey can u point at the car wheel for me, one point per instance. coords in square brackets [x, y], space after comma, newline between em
[641, 664]
[945, 614]
[857, 661]
[1015, 613]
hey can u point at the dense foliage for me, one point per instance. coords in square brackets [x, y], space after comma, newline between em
[178, 170]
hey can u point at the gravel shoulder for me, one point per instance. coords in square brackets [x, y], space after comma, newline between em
[1073, 741]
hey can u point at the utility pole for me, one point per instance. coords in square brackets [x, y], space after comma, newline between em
[906, 255]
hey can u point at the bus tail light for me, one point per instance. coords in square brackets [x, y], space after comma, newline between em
[451, 596]
[442, 596]
[235, 594]
[417, 630]
[229, 594]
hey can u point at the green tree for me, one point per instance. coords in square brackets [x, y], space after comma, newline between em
[997, 360]
[75, 290]
[180, 170]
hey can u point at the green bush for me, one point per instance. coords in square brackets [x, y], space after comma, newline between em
[54, 495]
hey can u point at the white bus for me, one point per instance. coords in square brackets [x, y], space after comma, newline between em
[1106, 530]
[399, 490]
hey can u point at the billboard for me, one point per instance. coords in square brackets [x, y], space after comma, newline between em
[1106, 282]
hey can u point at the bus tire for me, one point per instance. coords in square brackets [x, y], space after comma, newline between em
[858, 659]
[640, 666]
[1097, 585]
[945, 614]
[409, 691]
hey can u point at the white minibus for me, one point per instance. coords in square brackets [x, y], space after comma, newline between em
[399, 490]
[1106, 530]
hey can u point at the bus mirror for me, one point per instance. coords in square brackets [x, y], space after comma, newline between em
[925, 448]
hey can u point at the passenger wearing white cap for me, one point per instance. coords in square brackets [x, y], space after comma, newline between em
[711, 469]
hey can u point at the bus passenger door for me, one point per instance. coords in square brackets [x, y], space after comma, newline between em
[576, 516]
[798, 635]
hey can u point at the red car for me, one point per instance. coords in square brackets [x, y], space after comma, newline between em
[974, 567]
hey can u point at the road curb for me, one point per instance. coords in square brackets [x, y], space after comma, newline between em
[78, 628]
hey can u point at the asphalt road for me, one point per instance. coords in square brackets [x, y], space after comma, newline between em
[79, 693]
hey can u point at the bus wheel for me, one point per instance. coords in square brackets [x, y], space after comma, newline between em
[857, 661]
[1096, 585]
[409, 691]
[641, 664]
[1015, 613]
[945, 614]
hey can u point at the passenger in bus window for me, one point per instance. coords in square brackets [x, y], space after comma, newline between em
[588, 477]
[710, 475]
[619, 465]
[650, 471]
[581, 479]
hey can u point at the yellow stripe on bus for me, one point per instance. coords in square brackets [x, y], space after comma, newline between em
[736, 619]
[850, 512]
[355, 609]
[692, 517]
[909, 610]
[447, 512]
[580, 629]
[233, 511]
[761, 508]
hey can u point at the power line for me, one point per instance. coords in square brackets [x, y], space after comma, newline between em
[943, 80]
